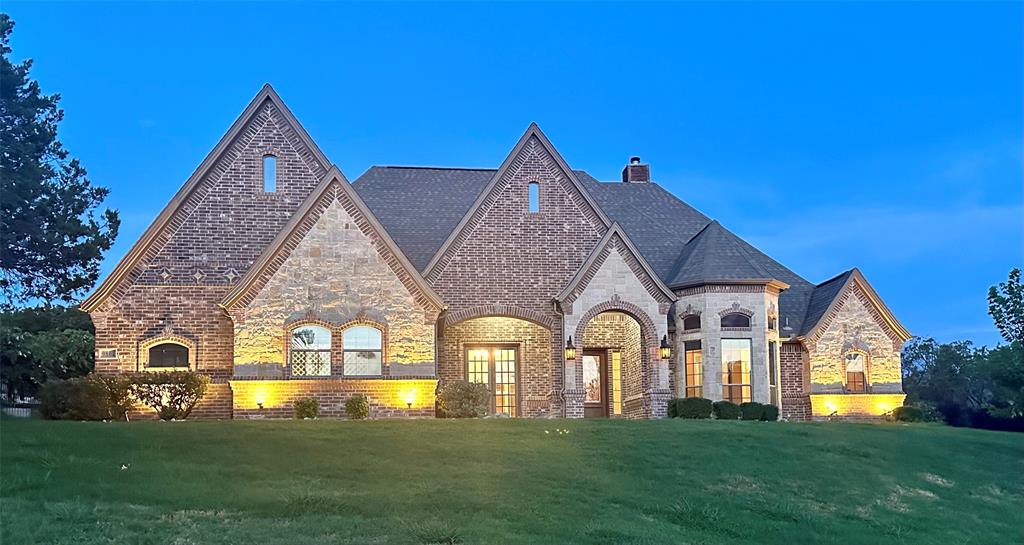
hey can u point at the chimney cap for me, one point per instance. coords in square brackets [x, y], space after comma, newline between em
[634, 160]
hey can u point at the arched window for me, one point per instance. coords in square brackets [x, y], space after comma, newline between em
[310, 354]
[168, 355]
[269, 173]
[856, 380]
[735, 319]
[691, 322]
[362, 351]
[534, 197]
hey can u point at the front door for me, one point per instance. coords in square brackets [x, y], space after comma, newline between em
[595, 402]
[495, 366]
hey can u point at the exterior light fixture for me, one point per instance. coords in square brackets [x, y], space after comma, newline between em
[666, 349]
[260, 405]
[570, 349]
[408, 398]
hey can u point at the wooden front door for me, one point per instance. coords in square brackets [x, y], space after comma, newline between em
[595, 384]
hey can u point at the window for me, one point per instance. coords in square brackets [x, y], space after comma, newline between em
[694, 369]
[495, 366]
[855, 378]
[168, 355]
[691, 322]
[310, 354]
[362, 351]
[269, 173]
[773, 323]
[616, 382]
[735, 319]
[736, 370]
[534, 197]
[773, 371]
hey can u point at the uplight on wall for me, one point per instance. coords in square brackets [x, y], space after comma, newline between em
[409, 398]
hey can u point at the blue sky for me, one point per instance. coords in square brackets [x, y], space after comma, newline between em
[830, 135]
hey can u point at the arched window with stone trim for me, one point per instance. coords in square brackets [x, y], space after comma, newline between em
[856, 371]
[363, 351]
[691, 322]
[309, 352]
[735, 320]
[167, 352]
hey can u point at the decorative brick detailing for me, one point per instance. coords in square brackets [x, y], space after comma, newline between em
[388, 398]
[794, 382]
[614, 330]
[727, 288]
[510, 311]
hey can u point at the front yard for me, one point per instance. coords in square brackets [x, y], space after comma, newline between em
[507, 481]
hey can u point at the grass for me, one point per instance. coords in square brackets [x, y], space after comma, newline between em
[507, 481]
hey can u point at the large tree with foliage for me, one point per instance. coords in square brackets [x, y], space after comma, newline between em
[52, 233]
[1006, 305]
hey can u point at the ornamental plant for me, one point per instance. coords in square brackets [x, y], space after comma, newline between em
[462, 399]
[751, 410]
[307, 408]
[173, 394]
[726, 410]
[357, 407]
[693, 407]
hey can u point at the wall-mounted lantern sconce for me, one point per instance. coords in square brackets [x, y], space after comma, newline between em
[666, 349]
[570, 349]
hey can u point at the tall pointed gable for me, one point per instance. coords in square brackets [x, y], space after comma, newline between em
[534, 152]
[829, 297]
[334, 190]
[615, 240]
[192, 240]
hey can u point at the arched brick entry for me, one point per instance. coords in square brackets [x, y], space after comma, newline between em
[508, 311]
[652, 405]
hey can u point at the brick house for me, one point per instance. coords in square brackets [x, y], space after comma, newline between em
[273, 274]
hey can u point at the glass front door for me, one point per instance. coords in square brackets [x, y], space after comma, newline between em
[595, 401]
[495, 366]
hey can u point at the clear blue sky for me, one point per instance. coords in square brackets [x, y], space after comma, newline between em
[883, 136]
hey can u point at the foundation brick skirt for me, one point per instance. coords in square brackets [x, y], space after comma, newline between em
[389, 398]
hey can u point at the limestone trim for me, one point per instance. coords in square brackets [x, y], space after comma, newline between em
[858, 286]
[337, 330]
[488, 196]
[144, 247]
[507, 311]
[166, 338]
[333, 187]
[615, 239]
[736, 309]
[648, 333]
[747, 286]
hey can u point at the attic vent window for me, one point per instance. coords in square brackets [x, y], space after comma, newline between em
[269, 173]
[534, 197]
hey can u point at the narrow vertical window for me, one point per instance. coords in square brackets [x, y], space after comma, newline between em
[269, 173]
[773, 375]
[534, 197]
[694, 369]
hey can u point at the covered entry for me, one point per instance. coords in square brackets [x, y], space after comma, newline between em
[611, 364]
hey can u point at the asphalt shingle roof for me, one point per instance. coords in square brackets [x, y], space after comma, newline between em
[821, 298]
[680, 243]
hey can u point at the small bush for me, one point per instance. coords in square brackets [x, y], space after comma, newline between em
[461, 399]
[173, 394]
[907, 414]
[726, 410]
[693, 407]
[751, 410]
[86, 398]
[357, 407]
[307, 408]
[671, 410]
[771, 413]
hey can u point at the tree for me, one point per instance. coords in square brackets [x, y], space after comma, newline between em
[1006, 306]
[52, 235]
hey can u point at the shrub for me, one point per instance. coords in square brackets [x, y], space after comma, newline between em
[307, 408]
[357, 407]
[86, 398]
[461, 399]
[693, 407]
[672, 412]
[771, 413]
[726, 410]
[907, 414]
[171, 394]
[751, 410]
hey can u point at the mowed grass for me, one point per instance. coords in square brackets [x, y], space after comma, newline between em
[507, 481]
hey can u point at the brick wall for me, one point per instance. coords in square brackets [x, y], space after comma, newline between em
[793, 373]
[614, 330]
[387, 397]
[534, 352]
[854, 406]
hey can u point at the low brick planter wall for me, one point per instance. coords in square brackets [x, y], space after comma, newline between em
[854, 406]
[389, 398]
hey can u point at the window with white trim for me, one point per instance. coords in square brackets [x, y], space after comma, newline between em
[363, 351]
[310, 354]
[736, 370]
[856, 381]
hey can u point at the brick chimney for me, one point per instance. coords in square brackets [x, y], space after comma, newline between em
[636, 172]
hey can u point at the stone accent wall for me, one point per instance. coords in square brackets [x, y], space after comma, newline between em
[534, 351]
[793, 368]
[388, 398]
[856, 326]
[615, 330]
[335, 275]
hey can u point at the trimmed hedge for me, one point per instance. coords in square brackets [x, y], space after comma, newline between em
[751, 410]
[726, 410]
[171, 394]
[907, 414]
[692, 407]
[357, 407]
[306, 408]
[462, 399]
[771, 413]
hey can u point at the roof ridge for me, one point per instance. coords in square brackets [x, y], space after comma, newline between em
[427, 167]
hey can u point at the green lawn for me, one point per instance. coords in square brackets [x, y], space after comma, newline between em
[507, 481]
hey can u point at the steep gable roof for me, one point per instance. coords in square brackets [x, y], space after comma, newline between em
[717, 255]
[532, 132]
[616, 237]
[828, 295]
[333, 187]
[138, 251]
